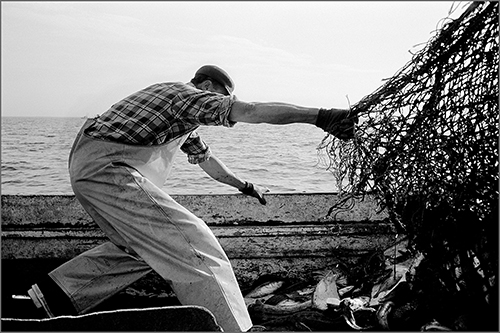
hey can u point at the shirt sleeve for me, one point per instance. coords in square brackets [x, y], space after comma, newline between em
[200, 107]
[196, 149]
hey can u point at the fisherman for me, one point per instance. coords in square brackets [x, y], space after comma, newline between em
[118, 165]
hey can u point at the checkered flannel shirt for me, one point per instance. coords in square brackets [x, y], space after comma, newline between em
[161, 113]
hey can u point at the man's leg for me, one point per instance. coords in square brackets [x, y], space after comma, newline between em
[96, 275]
[179, 246]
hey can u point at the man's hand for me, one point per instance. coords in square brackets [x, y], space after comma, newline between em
[255, 191]
[339, 123]
[218, 171]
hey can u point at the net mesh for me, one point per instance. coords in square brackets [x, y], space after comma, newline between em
[427, 149]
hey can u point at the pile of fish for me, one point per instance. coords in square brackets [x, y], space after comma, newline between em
[331, 302]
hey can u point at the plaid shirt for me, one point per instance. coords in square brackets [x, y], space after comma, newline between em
[161, 113]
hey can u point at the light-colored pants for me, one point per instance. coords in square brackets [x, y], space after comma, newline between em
[147, 230]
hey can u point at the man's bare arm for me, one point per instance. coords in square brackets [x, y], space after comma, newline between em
[216, 169]
[337, 122]
[272, 113]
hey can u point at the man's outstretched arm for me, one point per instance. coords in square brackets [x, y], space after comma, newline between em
[338, 122]
[272, 113]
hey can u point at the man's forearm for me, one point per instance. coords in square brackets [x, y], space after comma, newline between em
[272, 113]
[218, 171]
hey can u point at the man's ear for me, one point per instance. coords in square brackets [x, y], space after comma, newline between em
[206, 85]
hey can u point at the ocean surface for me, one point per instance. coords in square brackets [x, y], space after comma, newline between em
[282, 158]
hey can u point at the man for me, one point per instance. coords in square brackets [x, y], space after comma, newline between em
[118, 165]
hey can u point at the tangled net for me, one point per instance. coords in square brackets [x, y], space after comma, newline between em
[427, 149]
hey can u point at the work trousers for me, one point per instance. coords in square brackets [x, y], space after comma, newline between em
[119, 186]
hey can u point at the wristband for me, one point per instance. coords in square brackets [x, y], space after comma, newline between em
[248, 189]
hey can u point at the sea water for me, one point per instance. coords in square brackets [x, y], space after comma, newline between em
[283, 158]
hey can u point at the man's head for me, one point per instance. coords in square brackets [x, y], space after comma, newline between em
[213, 78]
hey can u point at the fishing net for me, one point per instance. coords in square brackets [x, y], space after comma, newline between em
[427, 149]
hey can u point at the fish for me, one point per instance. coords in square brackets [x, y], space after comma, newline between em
[267, 288]
[341, 277]
[381, 292]
[301, 326]
[302, 294]
[358, 303]
[262, 299]
[348, 316]
[350, 305]
[398, 274]
[383, 312]
[283, 309]
[299, 291]
[282, 301]
[434, 326]
[288, 303]
[305, 291]
[333, 302]
[326, 288]
[276, 299]
[345, 290]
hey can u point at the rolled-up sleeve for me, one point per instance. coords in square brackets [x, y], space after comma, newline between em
[196, 149]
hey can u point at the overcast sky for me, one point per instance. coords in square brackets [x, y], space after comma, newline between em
[73, 59]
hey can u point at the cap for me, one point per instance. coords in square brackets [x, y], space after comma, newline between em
[219, 75]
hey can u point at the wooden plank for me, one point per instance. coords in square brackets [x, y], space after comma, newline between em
[239, 242]
[216, 209]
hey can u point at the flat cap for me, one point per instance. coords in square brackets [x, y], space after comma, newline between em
[219, 75]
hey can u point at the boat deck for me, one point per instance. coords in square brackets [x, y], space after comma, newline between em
[292, 235]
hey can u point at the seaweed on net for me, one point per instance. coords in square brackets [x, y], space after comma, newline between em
[430, 131]
[426, 146]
